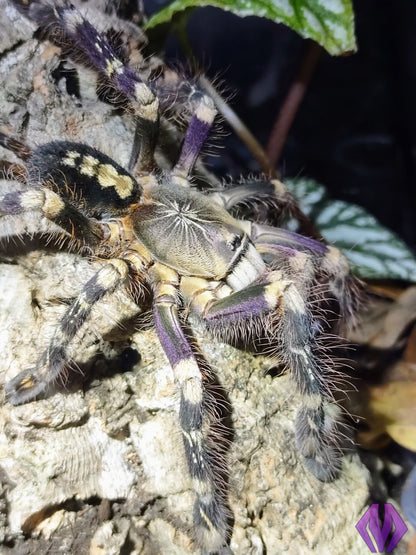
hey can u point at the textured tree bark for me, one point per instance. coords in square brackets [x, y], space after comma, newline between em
[98, 467]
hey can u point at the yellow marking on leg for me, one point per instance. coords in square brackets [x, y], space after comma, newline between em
[32, 200]
[52, 205]
[113, 272]
[248, 269]
[163, 273]
[202, 487]
[206, 110]
[312, 424]
[49, 202]
[143, 94]
[313, 401]
[192, 391]
[120, 266]
[207, 520]
[83, 304]
[178, 180]
[166, 290]
[301, 262]
[138, 255]
[72, 18]
[202, 301]
[294, 300]
[301, 352]
[27, 382]
[273, 293]
[279, 187]
[335, 260]
[194, 440]
[188, 374]
[148, 104]
[187, 369]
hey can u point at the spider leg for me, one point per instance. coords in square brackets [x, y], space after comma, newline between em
[53, 207]
[268, 200]
[10, 171]
[17, 146]
[31, 383]
[278, 309]
[210, 515]
[329, 263]
[64, 22]
[196, 134]
[265, 201]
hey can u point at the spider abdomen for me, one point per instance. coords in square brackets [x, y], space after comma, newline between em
[81, 172]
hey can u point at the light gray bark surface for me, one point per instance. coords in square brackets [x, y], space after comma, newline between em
[100, 468]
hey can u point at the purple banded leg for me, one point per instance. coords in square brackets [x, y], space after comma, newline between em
[210, 514]
[66, 22]
[268, 239]
[331, 266]
[31, 383]
[196, 135]
[289, 327]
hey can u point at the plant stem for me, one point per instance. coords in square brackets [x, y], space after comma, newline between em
[292, 102]
[239, 127]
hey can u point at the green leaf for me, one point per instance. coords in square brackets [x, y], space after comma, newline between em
[373, 250]
[328, 22]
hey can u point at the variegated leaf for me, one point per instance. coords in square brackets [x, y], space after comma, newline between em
[373, 250]
[328, 22]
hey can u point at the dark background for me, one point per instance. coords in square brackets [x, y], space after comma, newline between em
[355, 131]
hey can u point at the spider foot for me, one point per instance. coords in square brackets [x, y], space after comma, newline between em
[317, 438]
[209, 521]
[25, 387]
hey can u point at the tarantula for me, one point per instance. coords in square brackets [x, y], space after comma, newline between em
[186, 250]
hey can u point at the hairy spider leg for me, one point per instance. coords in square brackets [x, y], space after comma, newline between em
[89, 46]
[17, 146]
[56, 209]
[31, 383]
[328, 261]
[10, 170]
[269, 200]
[291, 332]
[196, 134]
[210, 513]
